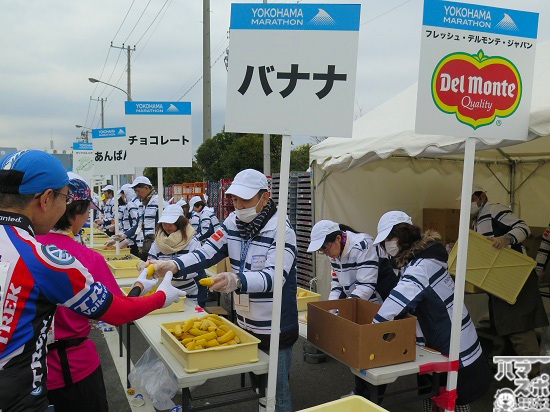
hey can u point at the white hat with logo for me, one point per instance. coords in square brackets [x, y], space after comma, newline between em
[181, 203]
[388, 221]
[170, 214]
[319, 232]
[141, 180]
[247, 184]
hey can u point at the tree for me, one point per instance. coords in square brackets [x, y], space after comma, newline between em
[299, 158]
[176, 175]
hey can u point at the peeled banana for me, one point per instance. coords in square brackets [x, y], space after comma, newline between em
[206, 332]
[207, 282]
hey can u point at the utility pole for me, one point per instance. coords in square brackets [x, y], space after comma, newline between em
[102, 100]
[206, 81]
[267, 150]
[129, 51]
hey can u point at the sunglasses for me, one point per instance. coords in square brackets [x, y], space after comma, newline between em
[68, 198]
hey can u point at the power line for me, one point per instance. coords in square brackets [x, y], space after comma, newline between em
[383, 14]
[137, 22]
[88, 113]
[194, 84]
[95, 112]
[153, 32]
[112, 72]
[145, 32]
[128, 12]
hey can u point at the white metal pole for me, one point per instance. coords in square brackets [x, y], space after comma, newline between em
[92, 223]
[160, 191]
[460, 278]
[116, 180]
[278, 282]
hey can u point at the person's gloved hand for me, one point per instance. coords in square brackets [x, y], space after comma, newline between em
[173, 294]
[225, 282]
[110, 242]
[120, 237]
[141, 265]
[500, 242]
[145, 284]
[162, 267]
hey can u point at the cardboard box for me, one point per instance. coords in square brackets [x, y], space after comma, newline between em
[351, 337]
[443, 221]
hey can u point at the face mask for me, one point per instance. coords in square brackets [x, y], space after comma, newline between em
[391, 247]
[474, 208]
[249, 214]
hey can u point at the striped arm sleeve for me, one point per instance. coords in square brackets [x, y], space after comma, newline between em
[405, 296]
[544, 249]
[213, 251]
[262, 280]
[336, 288]
[366, 272]
[519, 230]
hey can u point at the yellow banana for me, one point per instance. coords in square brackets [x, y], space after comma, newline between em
[207, 282]
[202, 342]
[226, 337]
[212, 343]
[197, 332]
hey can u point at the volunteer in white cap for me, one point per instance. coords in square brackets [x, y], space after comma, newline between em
[426, 290]
[107, 209]
[148, 215]
[359, 270]
[128, 217]
[247, 236]
[174, 237]
[185, 207]
[515, 323]
[203, 219]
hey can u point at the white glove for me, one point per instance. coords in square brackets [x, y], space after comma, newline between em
[225, 282]
[162, 267]
[145, 284]
[173, 294]
[120, 237]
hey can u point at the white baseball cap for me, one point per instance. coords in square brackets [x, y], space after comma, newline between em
[388, 221]
[475, 189]
[319, 232]
[170, 214]
[181, 203]
[108, 187]
[247, 184]
[194, 200]
[141, 180]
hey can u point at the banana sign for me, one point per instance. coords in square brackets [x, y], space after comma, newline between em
[476, 71]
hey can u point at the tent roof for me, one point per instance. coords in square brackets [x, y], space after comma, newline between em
[380, 134]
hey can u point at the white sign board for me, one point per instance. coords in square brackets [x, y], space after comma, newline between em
[83, 160]
[292, 68]
[111, 155]
[159, 134]
[476, 70]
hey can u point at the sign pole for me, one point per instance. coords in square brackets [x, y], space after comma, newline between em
[460, 278]
[91, 238]
[116, 181]
[160, 190]
[278, 283]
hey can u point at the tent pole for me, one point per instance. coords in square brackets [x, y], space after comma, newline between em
[278, 281]
[512, 186]
[463, 233]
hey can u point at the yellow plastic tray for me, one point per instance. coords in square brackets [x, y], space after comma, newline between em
[174, 307]
[211, 358]
[110, 252]
[349, 404]
[302, 302]
[500, 272]
[86, 231]
[124, 268]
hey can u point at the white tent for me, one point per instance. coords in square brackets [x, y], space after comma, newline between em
[386, 165]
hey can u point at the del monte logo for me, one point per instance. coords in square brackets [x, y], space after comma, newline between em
[476, 88]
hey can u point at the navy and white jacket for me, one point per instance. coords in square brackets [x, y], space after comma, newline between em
[149, 216]
[257, 271]
[544, 249]
[355, 272]
[128, 217]
[107, 211]
[495, 220]
[205, 223]
[426, 290]
[186, 284]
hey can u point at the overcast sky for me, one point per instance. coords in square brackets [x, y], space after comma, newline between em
[51, 47]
